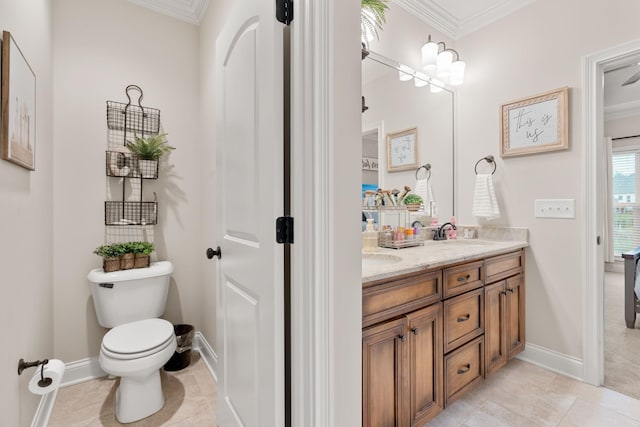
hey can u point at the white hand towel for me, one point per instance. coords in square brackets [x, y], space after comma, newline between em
[485, 204]
[423, 189]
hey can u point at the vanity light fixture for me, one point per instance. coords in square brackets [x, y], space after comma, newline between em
[438, 62]
[405, 73]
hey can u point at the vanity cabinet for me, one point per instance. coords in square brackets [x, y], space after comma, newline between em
[402, 383]
[429, 337]
[505, 310]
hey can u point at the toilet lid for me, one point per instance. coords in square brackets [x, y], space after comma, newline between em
[138, 337]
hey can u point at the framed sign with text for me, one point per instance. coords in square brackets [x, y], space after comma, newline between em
[535, 124]
[402, 150]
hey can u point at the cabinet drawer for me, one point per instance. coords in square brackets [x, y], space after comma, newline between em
[463, 278]
[463, 369]
[503, 266]
[400, 296]
[463, 318]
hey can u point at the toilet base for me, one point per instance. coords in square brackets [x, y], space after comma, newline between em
[138, 397]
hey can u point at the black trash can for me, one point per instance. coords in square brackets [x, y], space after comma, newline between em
[182, 356]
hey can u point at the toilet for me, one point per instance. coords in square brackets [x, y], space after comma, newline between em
[139, 343]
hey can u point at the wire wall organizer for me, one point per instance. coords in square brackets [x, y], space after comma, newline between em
[134, 118]
[131, 120]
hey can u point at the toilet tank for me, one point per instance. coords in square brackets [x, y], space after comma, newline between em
[128, 295]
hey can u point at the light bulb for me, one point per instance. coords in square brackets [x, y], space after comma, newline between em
[405, 73]
[429, 54]
[421, 79]
[435, 86]
[444, 64]
[457, 73]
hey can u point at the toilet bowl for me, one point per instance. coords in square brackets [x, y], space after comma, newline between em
[139, 343]
[135, 352]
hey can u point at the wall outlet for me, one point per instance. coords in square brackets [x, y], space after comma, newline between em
[555, 208]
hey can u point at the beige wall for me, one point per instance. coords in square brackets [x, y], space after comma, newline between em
[536, 49]
[26, 198]
[100, 47]
[209, 29]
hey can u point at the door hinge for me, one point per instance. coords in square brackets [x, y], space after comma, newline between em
[284, 229]
[284, 11]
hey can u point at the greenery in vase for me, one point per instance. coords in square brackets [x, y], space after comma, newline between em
[412, 199]
[372, 17]
[150, 147]
[141, 248]
[110, 251]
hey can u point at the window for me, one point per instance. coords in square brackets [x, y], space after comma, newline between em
[626, 212]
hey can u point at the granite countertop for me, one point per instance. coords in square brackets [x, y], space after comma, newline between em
[385, 263]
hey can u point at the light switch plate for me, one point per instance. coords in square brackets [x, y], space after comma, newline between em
[555, 208]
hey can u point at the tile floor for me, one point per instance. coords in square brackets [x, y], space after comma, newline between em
[190, 401]
[520, 394]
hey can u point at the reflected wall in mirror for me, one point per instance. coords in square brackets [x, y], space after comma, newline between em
[395, 105]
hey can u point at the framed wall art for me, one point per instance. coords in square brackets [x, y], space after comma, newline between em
[535, 124]
[402, 150]
[18, 112]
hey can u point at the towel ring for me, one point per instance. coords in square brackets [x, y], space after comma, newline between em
[427, 168]
[489, 159]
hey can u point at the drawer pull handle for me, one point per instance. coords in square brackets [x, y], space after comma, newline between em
[465, 369]
[464, 318]
[402, 337]
[464, 279]
[414, 330]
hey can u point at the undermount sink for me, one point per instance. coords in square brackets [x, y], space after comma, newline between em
[375, 260]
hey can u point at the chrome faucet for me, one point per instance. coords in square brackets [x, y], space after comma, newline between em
[440, 233]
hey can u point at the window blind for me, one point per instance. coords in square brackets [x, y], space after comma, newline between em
[626, 209]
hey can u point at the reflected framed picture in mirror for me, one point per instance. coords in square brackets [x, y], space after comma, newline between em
[402, 150]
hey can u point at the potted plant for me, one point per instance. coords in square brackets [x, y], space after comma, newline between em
[142, 250]
[149, 149]
[110, 257]
[127, 260]
[371, 18]
[412, 202]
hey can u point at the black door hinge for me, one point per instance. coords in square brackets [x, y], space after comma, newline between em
[284, 229]
[284, 11]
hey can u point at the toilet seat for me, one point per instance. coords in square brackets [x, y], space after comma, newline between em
[137, 339]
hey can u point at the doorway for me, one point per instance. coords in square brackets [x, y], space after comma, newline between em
[594, 177]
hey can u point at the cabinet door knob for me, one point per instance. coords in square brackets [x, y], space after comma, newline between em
[464, 318]
[503, 292]
[402, 337]
[510, 290]
[465, 369]
[464, 279]
[414, 330]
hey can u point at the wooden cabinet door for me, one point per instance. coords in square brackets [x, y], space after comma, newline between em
[385, 402]
[515, 315]
[495, 339]
[425, 364]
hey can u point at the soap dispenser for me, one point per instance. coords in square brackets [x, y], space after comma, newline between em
[369, 237]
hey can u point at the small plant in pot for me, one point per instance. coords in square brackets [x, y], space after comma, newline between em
[149, 149]
[142, 250]
[412, 202]
[110, 257]
[127, 260]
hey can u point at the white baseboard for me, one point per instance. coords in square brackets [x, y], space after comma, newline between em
[209, 356]
[554, 361]
[81, 371]
[45, 407]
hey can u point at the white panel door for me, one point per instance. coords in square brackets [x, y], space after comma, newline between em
[249, 163]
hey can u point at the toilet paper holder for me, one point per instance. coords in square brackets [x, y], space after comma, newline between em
[44, 382]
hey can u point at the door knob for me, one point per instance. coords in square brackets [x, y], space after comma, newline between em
[211, 253]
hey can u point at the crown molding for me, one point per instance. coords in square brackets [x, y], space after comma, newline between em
[191, 11]
[453, 27]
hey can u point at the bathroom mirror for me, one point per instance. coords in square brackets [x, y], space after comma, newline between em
[393, 106]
